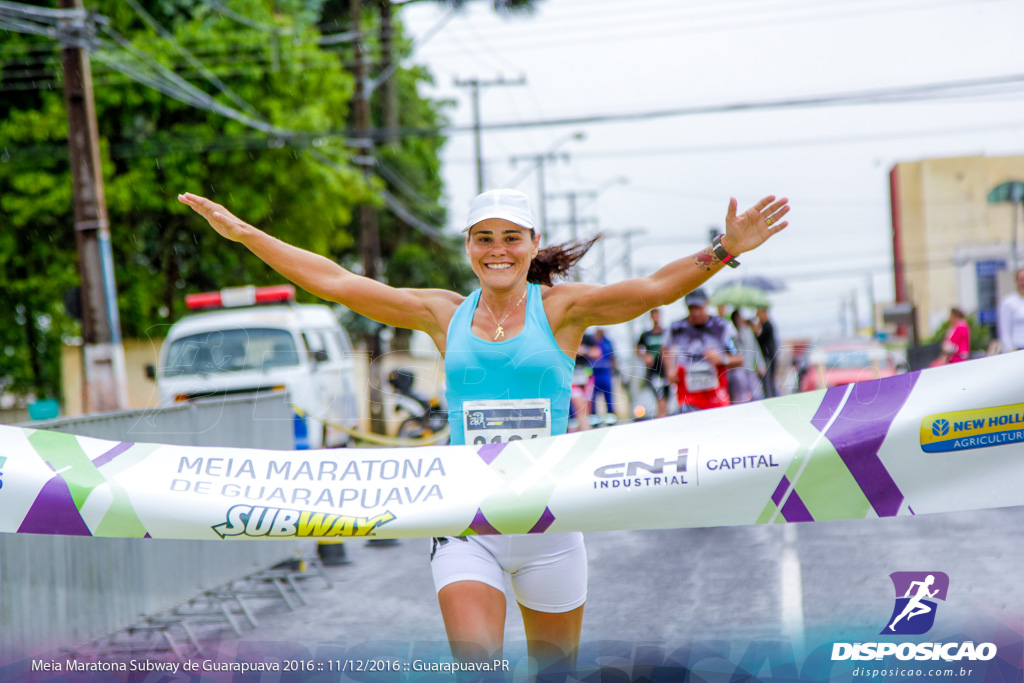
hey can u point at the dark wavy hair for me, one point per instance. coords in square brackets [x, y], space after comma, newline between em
[557, 261]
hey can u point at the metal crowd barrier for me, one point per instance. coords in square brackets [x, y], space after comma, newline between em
[56, 591]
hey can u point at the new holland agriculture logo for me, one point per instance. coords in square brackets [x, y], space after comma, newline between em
[967, 429]
[913, 614]
[257, 520]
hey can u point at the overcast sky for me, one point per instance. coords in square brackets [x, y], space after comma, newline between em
[583, 58]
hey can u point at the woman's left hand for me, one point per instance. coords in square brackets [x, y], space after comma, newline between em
[754, 226]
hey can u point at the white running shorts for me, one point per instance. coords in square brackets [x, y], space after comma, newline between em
[548, 571]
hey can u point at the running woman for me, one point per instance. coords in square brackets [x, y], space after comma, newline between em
[521, 331]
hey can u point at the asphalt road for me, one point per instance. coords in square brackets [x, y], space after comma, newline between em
[669, 590]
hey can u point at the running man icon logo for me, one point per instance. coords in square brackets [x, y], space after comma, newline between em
[940, 427]
[916, 593]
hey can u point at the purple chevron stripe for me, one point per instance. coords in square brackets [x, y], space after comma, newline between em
[859, 431]
[481, 526]
[780, 490]
[54, 512]
[829, 406]
[112, 453]
[794, 510]
[546, 520]
[488, 452]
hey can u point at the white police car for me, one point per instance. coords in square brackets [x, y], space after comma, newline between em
[247, 339]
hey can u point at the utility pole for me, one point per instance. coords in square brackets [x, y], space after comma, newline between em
[855, 312]
[389, 95]
[369, 237]
[573, 197]
[575, 224]
[539, 160]
[871, 304]
[104, 365]
[628, 236]
[474, 84]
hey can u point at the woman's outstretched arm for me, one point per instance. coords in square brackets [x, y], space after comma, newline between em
[418, 309]
[587, 304]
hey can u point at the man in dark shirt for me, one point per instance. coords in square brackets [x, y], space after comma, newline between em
[648, 348]
[769, 349]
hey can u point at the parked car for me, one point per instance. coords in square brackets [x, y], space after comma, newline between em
[835, 363]
[249, 339]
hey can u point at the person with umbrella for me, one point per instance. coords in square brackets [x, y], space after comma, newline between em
[745, 379]
[750, 291]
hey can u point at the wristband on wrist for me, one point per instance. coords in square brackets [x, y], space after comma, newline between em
[721, 254]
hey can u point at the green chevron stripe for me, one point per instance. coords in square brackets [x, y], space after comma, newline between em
[825, 485]
[66, 457]
[63, 452]
[512, 513]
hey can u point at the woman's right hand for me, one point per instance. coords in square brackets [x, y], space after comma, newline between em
[223, 221]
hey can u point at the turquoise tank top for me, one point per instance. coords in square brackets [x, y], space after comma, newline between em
[529, 365]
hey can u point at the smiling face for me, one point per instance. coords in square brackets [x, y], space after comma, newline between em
[500, 252]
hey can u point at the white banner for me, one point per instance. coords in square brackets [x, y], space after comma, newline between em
[944, 439]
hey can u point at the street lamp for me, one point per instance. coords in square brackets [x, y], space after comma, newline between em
[538, 163]
[575, 195]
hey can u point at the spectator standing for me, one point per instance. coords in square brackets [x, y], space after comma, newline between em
[602, 357]
[1011, 318]
[745, 379]
[698, 353]
[956, 346]
[582, 385]
[765, 330]
[648, 348]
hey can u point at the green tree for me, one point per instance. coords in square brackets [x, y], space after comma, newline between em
[301, 188]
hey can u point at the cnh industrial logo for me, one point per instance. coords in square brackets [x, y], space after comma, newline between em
[917, 597]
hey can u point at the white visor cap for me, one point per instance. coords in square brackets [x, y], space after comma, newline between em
[510, 205]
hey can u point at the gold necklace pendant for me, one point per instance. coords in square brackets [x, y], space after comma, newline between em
[500, 331]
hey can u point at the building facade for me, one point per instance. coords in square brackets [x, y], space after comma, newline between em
[954, 244]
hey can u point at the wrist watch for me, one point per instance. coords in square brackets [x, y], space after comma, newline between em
[721, 254]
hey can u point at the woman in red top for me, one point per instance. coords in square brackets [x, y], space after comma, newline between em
[956, 347]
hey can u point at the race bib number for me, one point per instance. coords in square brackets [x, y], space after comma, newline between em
[701, 376]
[506, 420]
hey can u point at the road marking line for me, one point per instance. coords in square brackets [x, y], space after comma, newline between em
[792, 590]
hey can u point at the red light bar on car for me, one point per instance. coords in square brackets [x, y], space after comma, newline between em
[234, 297]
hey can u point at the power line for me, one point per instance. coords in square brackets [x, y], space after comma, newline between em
[819, 12]
[851, 98]
[774, 144]
[245, 21]
[881, 95]
[190, 58]
[169, 83]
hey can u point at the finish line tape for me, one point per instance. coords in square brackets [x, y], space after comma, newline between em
[941, 440]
